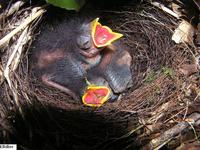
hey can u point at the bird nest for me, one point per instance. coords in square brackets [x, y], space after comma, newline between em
[159, 111]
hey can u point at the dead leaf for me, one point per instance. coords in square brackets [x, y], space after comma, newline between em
[184, 33]
[188, 69]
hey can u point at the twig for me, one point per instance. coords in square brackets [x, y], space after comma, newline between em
[174, 116]
[15, 7]
[195, 133]
[165, 9]
[186, 110]
[168, 135]
[24, 24]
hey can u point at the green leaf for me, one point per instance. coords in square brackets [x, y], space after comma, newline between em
[168, 72]
[67, 4]
[151, 76]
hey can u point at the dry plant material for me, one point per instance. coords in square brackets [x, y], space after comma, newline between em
[165, 9]
[189, 146]
[17, 49]
[197, 61]
[197, 2]
[36, 12]
[184, 33]
[14, 58]
[188, 69]
[13, 62]
[1, 74]
[176, 10]
[160, 112]
[14, 8]
[164, 138]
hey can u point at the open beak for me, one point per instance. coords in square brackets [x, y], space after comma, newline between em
[102, 35]
[95, 96]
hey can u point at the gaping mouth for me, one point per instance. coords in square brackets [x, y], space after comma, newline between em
[95, 96]
[102, 35]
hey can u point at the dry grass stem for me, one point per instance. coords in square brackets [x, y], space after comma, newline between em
[36, 12]
[174, 131]
[14, 8]
[13, 62]
[165, 9]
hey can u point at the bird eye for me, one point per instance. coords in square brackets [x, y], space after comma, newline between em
[84, 42]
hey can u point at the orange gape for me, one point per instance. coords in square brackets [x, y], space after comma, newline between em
[102, 35]
[63, 62]
[95, 96]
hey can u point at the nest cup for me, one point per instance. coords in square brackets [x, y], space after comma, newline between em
[38, 117]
